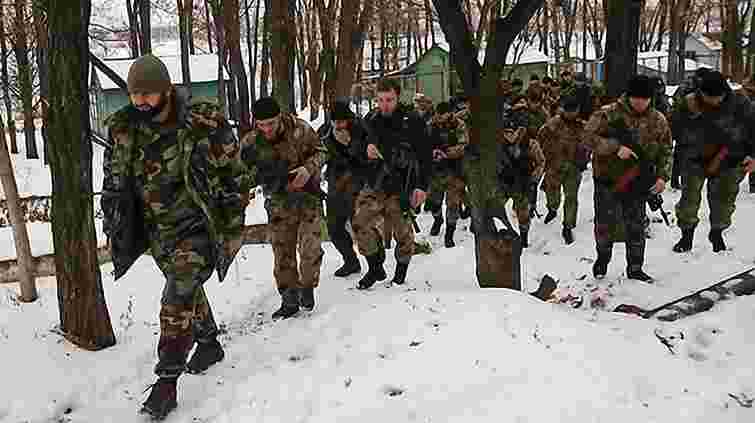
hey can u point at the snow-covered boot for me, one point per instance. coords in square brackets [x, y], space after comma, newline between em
[435, 230]
[289, 304]
[349, 267]
[307, 298]
[600, 267]
[685, 244]
[399, 278]
[449, 241]
[162, 398]
[375, 273]
[205, 355]
[550, 216]
[639, 275]
[568, 235]
[716, 238]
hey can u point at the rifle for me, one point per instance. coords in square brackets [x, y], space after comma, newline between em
[386, 171]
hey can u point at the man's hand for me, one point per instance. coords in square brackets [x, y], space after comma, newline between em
[626, 153]
[372, 152]
[418, 197]
[301, 178]
[660, 186]
[749, 164]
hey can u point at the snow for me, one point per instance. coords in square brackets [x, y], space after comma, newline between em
[437, 349]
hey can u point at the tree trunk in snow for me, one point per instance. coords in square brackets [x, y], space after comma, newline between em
[7, 95]
[184, 6]
[266, 37]
[84, 317]
[621, 44]
[26, 87]
[282, 44]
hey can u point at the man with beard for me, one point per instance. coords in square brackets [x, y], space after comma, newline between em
[396, 182]
[631, 145]
[174, 184]
[423, 105]
[716, 128]
[289, 157]
[345, 139]
[561, 139]
[448, 137]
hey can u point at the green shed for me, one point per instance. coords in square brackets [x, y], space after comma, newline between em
[107, 97]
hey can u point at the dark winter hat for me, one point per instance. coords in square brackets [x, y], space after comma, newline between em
[713, 84]
[340, 110]
[570, 103]
[265, 108]
[443, 108]
[148, 74]
[517, 82]
[640, 86]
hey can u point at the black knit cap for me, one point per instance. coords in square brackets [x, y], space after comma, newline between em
[713, 84]
[340, 110]
[443, 108]
[265, 108]
[570, 103]
[640, 86]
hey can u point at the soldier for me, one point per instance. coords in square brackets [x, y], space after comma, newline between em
[631, 145]
[344, 139]
[537, 112]
[395, 183]
[716, 128]
[688, 86]
[192, 223]
[522, 165]
[748, 90]
[448, 137]
[566, 158]
[289, 156]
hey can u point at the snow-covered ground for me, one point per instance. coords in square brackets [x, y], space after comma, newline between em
[436, 350]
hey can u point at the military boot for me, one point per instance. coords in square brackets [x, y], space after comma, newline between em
[375, 273]
[568, 235]
[289, 304]
[307, 299]
[399, 277]
[350, 266]
[435, 230]
[685, 244]
[639, 275]
[162, 398]
[716, 238]
[449, 241]
[550, 216]
[524, 236]
[600, 267]
[205, 355]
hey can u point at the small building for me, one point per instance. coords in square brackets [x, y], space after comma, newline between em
[106, 97]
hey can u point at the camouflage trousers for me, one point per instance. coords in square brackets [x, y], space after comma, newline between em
[185, 314]
[291, 227]
[521, 207]
[340, 208]
[371, 212]
[451, 185]
[722, 196]
[569, 178]
[617, 214]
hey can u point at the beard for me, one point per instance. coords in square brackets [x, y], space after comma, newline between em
[147, 113]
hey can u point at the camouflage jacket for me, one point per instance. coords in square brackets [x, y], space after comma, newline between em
[296, 145]
[703, 134]
[208, 174]
[449, 134]
[560, 139]
[529, 166]
[654, 140]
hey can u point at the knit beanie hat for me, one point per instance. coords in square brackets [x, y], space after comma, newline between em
[713, 84]
[148, 74]
[341, 110]
[265, 108]
[640, 86]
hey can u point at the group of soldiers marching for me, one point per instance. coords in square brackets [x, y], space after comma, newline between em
[177, 182]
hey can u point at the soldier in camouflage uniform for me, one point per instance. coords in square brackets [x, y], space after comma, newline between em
[345, 138]
[537, 112]
[688, 86]
[631, 145]
[716, 128]
[566, 158]
[448, 137]
[174, 183]
[748, 90]
[395, 183]
[289, 157]
[526, 167]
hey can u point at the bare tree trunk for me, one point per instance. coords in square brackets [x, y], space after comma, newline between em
[301, 59]
[731, 41]
[217, 14]
[266, 36]
[236, 62]
[621, 44]
[7, 99]
[251, 48]
[26, 86]
[40, 26]
[182, 7]
[282, 43]
[84, 316]
[327, 60]
[133, 27]
[20, 235]
[313, 67]
[145, 18]
[751, 42]
[292, 57]
[190, 26]
[678, 10]
[209, 24]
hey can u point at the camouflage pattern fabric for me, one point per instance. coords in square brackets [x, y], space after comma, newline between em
[619, 216]
[371, 207]
[569, 178]
[287, 225]
[722, 195]
[453, 187]
[448, 133]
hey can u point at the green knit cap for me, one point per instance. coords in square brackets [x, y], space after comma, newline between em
[148, 74]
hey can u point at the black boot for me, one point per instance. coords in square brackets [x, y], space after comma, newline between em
[716, 238]
[205, 355]
[350, 266]
[639, 275]
[387, 244]
[524, 236]
[289, 304]
[550, 216]
[450, 229]
[568, 235]
[307, 299]
[600, 267]
[162, 398]
[399, 278]
[465, 213]
[375, 273]
[435, 230]
[685, 244]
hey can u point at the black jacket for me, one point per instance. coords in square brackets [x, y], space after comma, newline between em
[344, 159]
